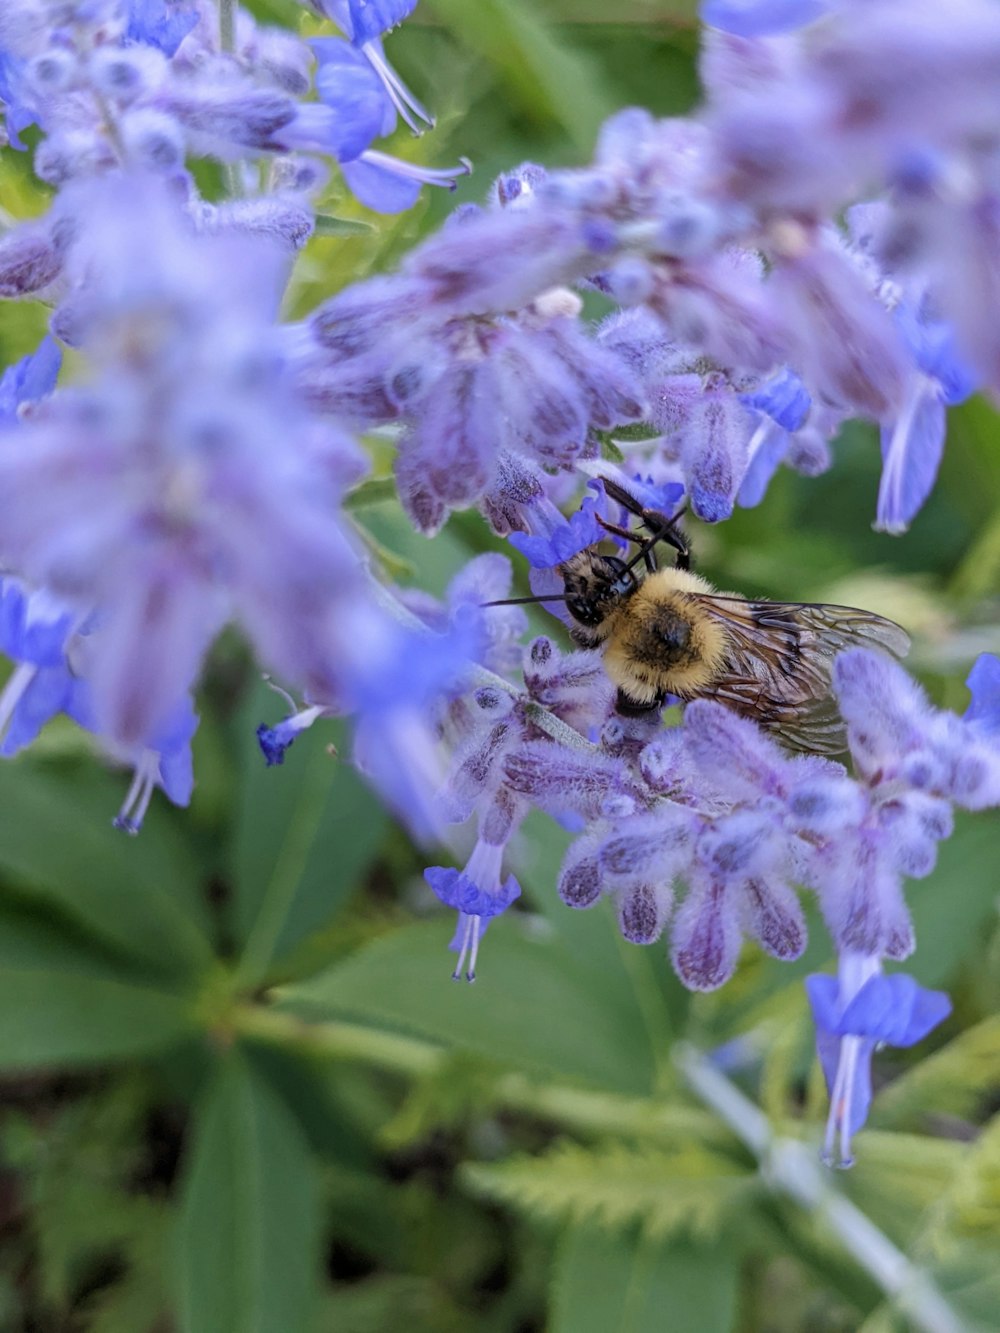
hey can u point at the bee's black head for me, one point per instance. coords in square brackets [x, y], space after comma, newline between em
[595, 585]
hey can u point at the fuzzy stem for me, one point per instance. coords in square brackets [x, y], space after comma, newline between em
[790, 1168]
[480, 676]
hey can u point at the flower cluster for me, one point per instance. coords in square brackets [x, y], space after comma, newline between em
[819, 242]
[187, 483]
[753, 322]
[144, 85]
[707, 829]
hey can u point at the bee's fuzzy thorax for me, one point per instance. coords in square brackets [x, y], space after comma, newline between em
[641, 658]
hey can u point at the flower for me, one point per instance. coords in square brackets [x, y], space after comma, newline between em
[762, 18]
[143, 496]
[29, 380]
[853, 1012]
[274, 741]
[365, 22]
[478, 894]
[565, 538]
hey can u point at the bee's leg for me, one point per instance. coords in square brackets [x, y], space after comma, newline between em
[629, 707]
[619, 531]
[646, 545]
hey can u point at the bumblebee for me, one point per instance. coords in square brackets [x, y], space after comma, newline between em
[667, 631]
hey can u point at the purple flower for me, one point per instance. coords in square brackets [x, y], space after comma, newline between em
[159, 23]
[153, 516]
[18, 111]
[762, 18]
[565, 538]
[393, 679]
[478, 894]
[28, 380]
[165, 762]
[35, 628]
[365, 22]
[984, 684]
[274, 741]
[346, 82]
[853, 1012]
[783, 398]
[486, 578]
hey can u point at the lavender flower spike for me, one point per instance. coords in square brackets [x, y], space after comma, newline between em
[853, 1012]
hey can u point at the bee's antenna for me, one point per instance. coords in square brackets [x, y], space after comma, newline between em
[523, 601]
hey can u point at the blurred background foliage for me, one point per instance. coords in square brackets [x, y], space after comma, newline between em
[239, 1093]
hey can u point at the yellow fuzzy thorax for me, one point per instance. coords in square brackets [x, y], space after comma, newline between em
[630, 658]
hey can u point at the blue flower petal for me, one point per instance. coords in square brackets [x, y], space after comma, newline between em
[18, 114]
[48, 694]
[31, 378]
[784, 398]
[765, 462]
[177, 774]
[371, 18]
[456, 889]
[567, 539]
[911, 455]
[33, 625]
[274, 741]
[894, 1009]
[346, 82]
[984, 683]
[154, 23]
[379, 189]
[761, 18]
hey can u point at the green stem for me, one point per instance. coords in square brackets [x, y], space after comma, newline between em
[790, 1168]
[411, 1057]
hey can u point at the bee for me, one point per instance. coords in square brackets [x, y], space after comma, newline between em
[665, 631]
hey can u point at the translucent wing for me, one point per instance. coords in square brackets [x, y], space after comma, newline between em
[779, 659]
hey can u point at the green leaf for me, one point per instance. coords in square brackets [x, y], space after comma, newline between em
[534, 1005]
[899, 1176]
[390, 1301]
[626, 1284]
[953, 1081]
[249, 1224]
[952, 906]
[691, 1191]
[373, 491]
[305, 834]
[328, 225]
[62, 1002]
[139, 894]
[548, 77]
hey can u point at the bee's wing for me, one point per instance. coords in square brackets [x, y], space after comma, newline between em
[779, 659]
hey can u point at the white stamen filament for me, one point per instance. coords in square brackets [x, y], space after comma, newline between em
[412, 171]
[140, 793]
[838, 1124]
[757, 440]
[20, 678]
[470, 947]
[400, 96]
[272, 685]
[890, 492]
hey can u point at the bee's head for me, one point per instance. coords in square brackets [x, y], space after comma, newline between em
[595, 585]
